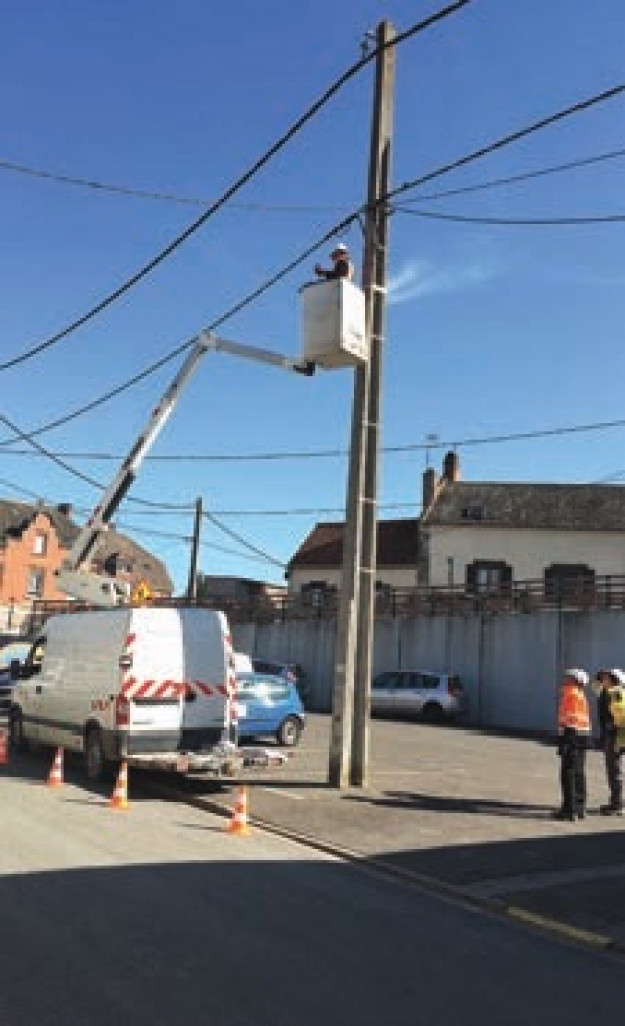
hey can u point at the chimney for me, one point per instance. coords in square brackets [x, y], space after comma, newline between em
[65, 508]
[429, 487]
[451, 467]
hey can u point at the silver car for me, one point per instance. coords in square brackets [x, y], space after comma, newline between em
[426, 693]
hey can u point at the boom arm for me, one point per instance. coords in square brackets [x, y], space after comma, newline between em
[73, 576]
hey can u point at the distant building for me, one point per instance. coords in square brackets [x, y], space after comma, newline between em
[481, 537]
[35, 538]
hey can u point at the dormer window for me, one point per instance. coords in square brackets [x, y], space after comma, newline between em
[472, 513]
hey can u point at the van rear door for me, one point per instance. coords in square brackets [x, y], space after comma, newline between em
[151, 684]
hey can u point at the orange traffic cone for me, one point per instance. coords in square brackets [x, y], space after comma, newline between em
[120, 794]
[238, 822]
[55, 776]
[4, 746]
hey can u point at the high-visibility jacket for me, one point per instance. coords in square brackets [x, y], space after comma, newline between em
[573, 710]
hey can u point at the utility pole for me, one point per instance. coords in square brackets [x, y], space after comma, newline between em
[379, 183]
[361, 468]
[195, 544]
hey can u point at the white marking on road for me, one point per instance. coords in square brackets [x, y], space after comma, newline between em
[284, 794]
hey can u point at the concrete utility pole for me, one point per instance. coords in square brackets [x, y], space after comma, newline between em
[192, 585]
[355, 626]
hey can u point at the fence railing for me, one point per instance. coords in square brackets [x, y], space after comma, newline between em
[607, 592]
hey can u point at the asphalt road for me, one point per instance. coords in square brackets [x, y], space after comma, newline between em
[156, 915]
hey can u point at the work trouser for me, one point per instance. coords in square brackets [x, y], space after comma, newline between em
[573, 774]
[612, 755]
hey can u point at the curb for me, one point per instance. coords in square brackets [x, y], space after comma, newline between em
[430, 884]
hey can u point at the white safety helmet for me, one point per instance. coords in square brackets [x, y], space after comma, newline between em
[580, 676]
[339, 249]
[618, 676]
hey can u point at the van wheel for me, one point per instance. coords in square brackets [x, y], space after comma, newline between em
[96, 766]
[290, 732]
[433, 713]
[18, 741]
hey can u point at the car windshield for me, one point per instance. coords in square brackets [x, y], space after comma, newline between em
[14, 650]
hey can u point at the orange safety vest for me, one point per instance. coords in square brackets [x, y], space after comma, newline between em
[573, 709]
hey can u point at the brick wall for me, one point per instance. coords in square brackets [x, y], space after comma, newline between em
[32, 557]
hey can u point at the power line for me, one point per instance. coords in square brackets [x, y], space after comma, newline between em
[522, 177]
[233, 189]
[507, 140]
[242, 541]
[312, 454]
[170, 197]
[269, 283]
[515, 221]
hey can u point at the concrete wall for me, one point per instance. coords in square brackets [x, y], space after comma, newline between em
[509, 663]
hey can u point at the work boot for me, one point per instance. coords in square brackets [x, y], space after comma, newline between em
[611, 810]
[563, 814]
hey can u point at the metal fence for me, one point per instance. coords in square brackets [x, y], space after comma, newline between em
[606, 592]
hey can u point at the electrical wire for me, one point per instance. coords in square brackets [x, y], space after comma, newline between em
[534, 222]
[242, 541]
[234, 188]
[346, 222]
[524, 176]
[312, 454]
[507, 140]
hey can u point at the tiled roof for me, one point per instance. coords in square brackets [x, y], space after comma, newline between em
[577, 507]
[396, 544]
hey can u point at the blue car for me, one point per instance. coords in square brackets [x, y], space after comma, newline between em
[269, 705]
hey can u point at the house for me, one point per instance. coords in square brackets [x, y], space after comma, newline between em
[483, 536]
[238, 589]
[35, 538]
[315, 569]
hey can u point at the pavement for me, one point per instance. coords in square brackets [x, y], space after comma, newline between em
[457, 811]
[461, 812]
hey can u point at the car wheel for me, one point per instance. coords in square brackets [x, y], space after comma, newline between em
[18, 741]
[433, 713]
[96, 766]
[290, 732]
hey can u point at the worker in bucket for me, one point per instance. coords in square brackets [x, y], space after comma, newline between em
[342, 266]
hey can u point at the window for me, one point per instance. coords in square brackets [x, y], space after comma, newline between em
[565, 580]
[472, 513]
[35, 582]
[385, 681]
[40, 544]
[488, 576]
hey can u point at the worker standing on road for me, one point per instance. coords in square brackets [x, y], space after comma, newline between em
[573, 735]
[610, 685]
[342, 266]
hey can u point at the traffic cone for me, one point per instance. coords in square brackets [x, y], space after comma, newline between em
[238, 822]
[119, 799]
[4, 746]
[55, 776]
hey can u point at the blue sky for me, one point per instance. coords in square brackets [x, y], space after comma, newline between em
[491, 330]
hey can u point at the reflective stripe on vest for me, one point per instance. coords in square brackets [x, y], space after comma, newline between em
[573, 711]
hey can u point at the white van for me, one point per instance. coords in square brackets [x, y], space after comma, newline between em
[129, 683]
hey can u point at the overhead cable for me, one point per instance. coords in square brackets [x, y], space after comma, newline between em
[234, 188]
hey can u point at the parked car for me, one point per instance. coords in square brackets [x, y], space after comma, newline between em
[269, 705]
[10, 652]
[290, 671]
[433, 696]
